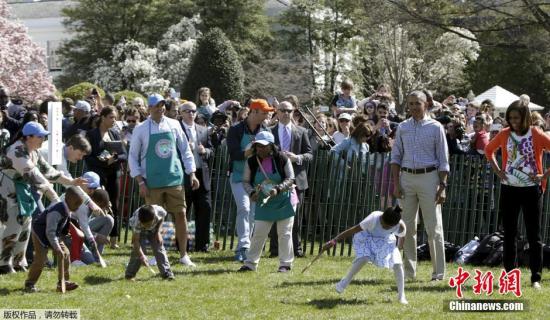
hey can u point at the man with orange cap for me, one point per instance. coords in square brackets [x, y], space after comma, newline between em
[239, 137]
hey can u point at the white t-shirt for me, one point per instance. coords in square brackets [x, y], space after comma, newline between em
[136, 225]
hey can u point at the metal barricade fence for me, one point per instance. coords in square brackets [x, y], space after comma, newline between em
[342, 193]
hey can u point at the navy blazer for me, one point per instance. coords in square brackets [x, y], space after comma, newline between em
[300, 146]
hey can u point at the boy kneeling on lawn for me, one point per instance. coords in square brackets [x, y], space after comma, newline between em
[47, 229]
[146, 222]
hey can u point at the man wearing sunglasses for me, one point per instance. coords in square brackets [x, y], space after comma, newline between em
[157, 151]
[294, 143]
[199, 141]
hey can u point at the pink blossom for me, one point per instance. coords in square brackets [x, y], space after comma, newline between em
[23, 68]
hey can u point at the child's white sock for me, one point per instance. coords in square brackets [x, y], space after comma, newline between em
[355, 267]
[400, 281]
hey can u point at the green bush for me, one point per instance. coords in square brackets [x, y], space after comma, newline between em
[216, 65]
[129, 95]
[79, 91]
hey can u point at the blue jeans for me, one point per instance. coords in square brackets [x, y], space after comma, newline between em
[245, 215]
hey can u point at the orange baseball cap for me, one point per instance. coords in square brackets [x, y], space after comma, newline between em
[260, 104]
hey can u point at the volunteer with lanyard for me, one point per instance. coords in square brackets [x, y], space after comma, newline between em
[24, 177]
[155, 150]
[268, 179]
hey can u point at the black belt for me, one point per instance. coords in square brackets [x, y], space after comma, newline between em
[418, 171]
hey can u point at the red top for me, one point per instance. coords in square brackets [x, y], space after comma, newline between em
[482, 140]
[541, 142]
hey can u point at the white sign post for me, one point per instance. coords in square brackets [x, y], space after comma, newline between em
[55, 142]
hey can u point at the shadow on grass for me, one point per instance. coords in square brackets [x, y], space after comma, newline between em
[425, 288]
[206, 259]
[192, 272]
[96, 280]
[327, 282]
[331, 303]
[7, 292]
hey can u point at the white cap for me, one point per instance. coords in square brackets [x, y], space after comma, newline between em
[345, 116]
[83, 106]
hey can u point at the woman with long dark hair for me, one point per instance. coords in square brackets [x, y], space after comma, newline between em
[105, 162]
[523, 182]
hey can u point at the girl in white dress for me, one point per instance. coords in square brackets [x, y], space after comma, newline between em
[374, 240]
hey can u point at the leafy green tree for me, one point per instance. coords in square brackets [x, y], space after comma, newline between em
[243, 21]
[215, 64]
[99, 25]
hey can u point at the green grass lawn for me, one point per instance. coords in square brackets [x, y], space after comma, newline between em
[215, 291]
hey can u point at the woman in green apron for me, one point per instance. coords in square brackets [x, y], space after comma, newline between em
[269, 180]
[24, 169]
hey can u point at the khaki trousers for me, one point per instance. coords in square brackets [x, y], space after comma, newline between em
[420, 190]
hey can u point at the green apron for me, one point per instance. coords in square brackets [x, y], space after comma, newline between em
[163, 165]
[238, 166]
[25, 199]
[276, 208]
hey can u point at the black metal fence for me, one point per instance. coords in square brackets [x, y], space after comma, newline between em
[342, 193]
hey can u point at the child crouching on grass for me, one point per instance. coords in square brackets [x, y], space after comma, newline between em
[146, 222]
[374, 240]
[48, 229]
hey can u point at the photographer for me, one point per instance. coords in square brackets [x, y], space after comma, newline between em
[455, 137]
[218, 131]
[384, 130]
[231, 109]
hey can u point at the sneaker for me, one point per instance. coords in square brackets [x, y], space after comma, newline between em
[240, 255]
[77, 263]
[6, 269]
[130, 278]
[186, 260]
[283, 269]
[20, 268]
[169, 277]
[403, 300]
[69, 286]
[153, 261]
[245, 269]
[536, 285]
[30, 288]
[340, 287]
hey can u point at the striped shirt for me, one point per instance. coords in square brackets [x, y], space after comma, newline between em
[420, 144]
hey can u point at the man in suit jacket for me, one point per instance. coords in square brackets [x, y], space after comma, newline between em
[294, 142]
[200, 198]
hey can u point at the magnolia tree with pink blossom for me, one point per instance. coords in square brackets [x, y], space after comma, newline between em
[23, 69]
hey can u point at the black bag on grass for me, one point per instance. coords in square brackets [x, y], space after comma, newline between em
[423, 251]
[489, 251]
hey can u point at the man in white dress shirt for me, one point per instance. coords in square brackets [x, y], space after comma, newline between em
[157, 166]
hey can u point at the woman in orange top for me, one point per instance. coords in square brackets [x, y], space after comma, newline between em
[523, 183]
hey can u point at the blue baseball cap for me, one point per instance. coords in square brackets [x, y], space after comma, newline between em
[154, 99]
[34, 128]
[264, 138]
[93, 179]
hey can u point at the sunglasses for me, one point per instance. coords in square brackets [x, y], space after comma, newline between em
[286, 110]
[190, 111]
[131, 121]
[343, 120]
